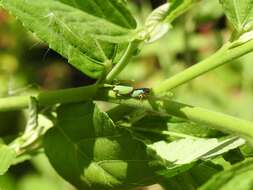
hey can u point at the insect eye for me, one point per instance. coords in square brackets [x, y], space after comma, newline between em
[147, 90]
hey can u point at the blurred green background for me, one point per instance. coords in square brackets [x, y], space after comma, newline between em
[27, 65]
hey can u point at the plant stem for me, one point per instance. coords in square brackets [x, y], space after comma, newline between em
[70, 95]
[123, 61]
[14, 103]
[224, 55]
[219, 121]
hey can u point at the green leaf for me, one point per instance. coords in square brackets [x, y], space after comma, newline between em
[88, 33]
[111, 10]
[189, 150]
[155, 27]
[239, 13]
[239, 177]
[88, 150]
[159, 21]
[7, 156]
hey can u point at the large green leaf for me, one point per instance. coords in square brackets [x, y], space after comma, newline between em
[239, 13]
[88, 33]
[7, 156]
[239, 177]
[88, 150]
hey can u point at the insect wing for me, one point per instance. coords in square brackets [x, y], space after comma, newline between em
[123, 90]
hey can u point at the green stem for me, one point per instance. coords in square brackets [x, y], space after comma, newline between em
[70, 95]
[14, 103]
[123, 61]
[219, 121]
[224, 55]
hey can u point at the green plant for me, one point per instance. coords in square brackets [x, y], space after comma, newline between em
[93, 149]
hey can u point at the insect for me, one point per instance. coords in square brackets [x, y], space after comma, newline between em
[140, 93]
[131, 91]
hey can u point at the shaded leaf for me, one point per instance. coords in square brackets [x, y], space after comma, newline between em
[193, 178]
[193, 129]
[239, 13]
[172, 128]
[81, 31]
[7, 156]
[89, 151]
[233, 156]
[239, 177]
[203, 171]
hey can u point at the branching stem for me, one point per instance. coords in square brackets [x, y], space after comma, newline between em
[123, 61]
[217, 120]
